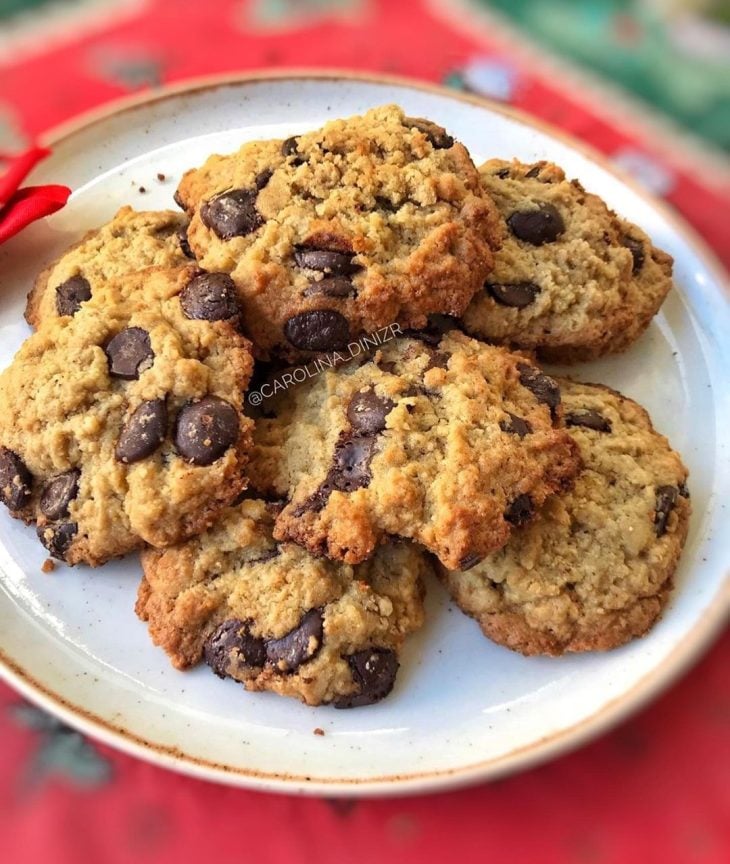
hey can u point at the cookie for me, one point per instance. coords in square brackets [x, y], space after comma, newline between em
[594, 570]
[123, 424]
[333, 234]
[275, 618]
[132, 241]
[451, 445]
[571, 280]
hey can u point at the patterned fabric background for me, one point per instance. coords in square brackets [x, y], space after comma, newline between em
[657, 789]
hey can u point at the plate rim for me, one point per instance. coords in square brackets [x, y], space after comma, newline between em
[676, 663]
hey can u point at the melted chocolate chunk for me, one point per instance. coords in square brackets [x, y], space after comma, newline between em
[143, 432]
[210, 297]
[539, 226]
[58, 493]
[16, 481]
[232, 640]
[57, 538]
[206, 429]
[517, 295]
[520, 511]
[330, 286]
[589, 419]
[318, 330]
[182, 236]
[636, 247]
[232, 214]
[326, 261]
[71, 294]
[262, 178]
[373, 671]
[299, 645]
[367, 412]
[666, 501]
[129, 353]
[533, 172]
[515, 425]
[544, 388]
[437, 135]
[351, 463]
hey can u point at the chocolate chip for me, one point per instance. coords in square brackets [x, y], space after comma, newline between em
[683, 490]
[326, 261]
[262, 178]
[386, 204]
[533, 172]
[520, 511]
[538, 226]
[367, 412]
[177, 198]
[636, 247]
[290, 147]
[373, 671]
[542, 386]
[437, 135]
[206, 429]
[502, 174]
[232, 640]
[143, 432]
[16, 481]
[437, 360]
[469, 561]
[330, 286]
[318, 330]
[666, 501]
[129, 353]
[182, 236]
[299, 645]
[514, 294]
[515, 425]
[232, 214]
[57, 538]
[210, 297]
[351, 463]
[265, 555]
[590, 419]
[71, 294]
[58, 493]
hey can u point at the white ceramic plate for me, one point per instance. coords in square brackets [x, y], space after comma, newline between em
[463, 709]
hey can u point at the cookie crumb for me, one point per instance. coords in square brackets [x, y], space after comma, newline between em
[161, 177]
[319, 731]
[48, 566]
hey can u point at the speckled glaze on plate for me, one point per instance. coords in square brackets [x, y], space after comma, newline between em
[463, 709]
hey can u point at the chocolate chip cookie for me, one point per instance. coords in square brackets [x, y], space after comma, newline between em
[131, 241]
[571, 280]
[595, 568]
[123, 424]
[451, 444]
[275, 618]
[333, 234]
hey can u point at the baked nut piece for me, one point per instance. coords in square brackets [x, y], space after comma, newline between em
[366, 222]
[449, 445]
[131, 241]
[571, 279]
[123, 425]
[275, 618]
[595, 568]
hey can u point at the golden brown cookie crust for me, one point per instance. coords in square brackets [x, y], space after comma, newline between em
[465, 451]
[410, 217]
[595, 568]
[589, 291]
[236, 572]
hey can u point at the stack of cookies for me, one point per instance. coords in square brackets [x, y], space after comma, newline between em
[319, 384]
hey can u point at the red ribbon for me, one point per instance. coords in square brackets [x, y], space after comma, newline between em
[20, 207]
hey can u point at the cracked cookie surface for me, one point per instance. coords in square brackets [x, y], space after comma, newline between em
[595, 568]
[122, 424]
[131, 241]
[275, 618]
[367, 222]
[450, 444]
[572, 279]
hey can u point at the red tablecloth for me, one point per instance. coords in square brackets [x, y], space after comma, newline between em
[655, 789]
